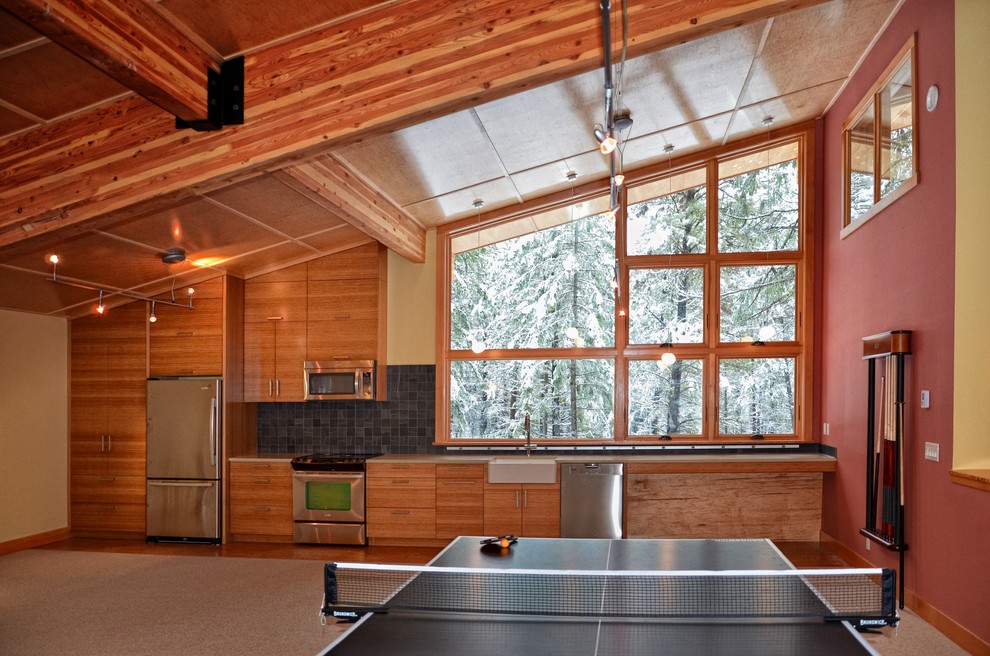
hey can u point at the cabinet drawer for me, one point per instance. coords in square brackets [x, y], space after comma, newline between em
[258, 489]
[474, 471]
[400, 470]
[87, 488]
[401, 522]
[260, 519]
[98, 518]
[263, 469]
[460, 506]
[398, 492]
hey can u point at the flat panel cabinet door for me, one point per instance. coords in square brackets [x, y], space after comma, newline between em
[188, 342]
[290, 352]
[259, 361]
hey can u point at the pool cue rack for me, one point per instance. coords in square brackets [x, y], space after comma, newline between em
[885, 404]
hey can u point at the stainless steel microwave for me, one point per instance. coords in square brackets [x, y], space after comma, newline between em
[340, 380]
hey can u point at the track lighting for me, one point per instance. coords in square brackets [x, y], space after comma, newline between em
[101, 308]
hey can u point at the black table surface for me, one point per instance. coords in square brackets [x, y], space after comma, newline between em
[409, 633]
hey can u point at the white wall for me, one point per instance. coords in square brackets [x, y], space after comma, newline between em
[34, 424]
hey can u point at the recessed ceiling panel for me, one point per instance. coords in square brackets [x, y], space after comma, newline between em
[49, 82]
[786, 110]
[14, 33]
[28, 292]
[11, 121]
[689, 82]
[459, 204]
[815, 45]
[337, 239]
[232, 26]
[547, 123]
[277, 206]
[269, 259]
[205, 230]
[552, 177]
[686, 139]
[426, 160]
[97, 259]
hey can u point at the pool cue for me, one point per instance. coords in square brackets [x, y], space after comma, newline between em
[876, 458]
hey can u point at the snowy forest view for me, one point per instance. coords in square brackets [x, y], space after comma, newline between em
[515, 300]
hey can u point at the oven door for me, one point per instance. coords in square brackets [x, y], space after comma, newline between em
[328, 496]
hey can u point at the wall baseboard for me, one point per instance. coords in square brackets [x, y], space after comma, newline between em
[942, 623]
[32, 541]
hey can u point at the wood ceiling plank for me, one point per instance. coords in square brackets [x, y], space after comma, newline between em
[133, 43]
[385, 68]
[326, 181]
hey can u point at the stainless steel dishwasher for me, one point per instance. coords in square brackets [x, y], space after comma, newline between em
[591, 500]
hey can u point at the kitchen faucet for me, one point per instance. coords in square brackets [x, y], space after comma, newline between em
[529, 438]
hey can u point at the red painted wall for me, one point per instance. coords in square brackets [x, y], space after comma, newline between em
[896, 272]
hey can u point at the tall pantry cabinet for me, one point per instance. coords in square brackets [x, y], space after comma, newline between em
[107, 425]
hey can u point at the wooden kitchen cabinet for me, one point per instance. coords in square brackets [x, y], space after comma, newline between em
[261, 501]
[188, 342]
[401, 500]
[460, 499]
[530, 510]
[346, 308]
[108, 407]
[275, 336]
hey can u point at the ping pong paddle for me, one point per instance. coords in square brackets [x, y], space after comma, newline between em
[503, 541]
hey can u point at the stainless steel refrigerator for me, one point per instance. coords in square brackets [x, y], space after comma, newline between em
[183, 457]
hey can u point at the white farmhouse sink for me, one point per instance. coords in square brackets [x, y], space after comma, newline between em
[522, 469]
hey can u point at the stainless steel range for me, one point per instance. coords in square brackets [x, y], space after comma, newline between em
[328, 498]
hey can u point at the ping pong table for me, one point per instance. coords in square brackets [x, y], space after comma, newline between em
[409, 632]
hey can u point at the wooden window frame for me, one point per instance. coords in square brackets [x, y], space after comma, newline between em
[710, 350]
[907, 53]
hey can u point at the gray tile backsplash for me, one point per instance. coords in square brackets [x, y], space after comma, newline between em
[404, 423]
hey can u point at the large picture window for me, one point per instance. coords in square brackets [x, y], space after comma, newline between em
[683, 317]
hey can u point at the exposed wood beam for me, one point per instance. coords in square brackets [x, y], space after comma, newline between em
[385, 68]
[329, 183]
[132, 42]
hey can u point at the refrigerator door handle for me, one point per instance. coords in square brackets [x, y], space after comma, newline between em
[179, 484]
[213, 431]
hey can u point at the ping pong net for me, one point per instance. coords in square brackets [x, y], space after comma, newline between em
[864, 597]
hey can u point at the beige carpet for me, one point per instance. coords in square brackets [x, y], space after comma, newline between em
[88, 603]
[85, 603]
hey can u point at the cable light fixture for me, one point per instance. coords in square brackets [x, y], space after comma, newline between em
[609, 134]
[171, 256]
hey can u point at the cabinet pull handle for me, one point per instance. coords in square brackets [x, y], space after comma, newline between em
[458, 482]
[185, 372]
[278, 387]
[262, 481]
[341, 357]
[274, 318]
[525, 498]
[342, 316]
[102, 439]
[400, 481]
[269, 387]
[262, 510]
[184, 333]
[517, 498]
[106, 479]
[109, 443]
[400, 512]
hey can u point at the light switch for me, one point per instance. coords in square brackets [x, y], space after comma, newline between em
[931, 451]
[926, 398]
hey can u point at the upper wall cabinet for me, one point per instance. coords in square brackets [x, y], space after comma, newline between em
[186, 342]
[275, 335]
[346, 307]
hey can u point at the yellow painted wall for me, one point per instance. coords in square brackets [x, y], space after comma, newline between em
[971, 380]
[412, 303]
[34, 424]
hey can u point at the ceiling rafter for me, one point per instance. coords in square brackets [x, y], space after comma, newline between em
[367, 74]
[132, 42]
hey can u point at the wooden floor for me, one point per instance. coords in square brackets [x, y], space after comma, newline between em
[802, 554]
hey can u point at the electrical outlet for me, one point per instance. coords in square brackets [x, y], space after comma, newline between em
[931, 451]
[825, 428]
[926, 399]
[867, 544]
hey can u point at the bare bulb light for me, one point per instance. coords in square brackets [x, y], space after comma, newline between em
[668, 358]
[571, 333]
[477, 346]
